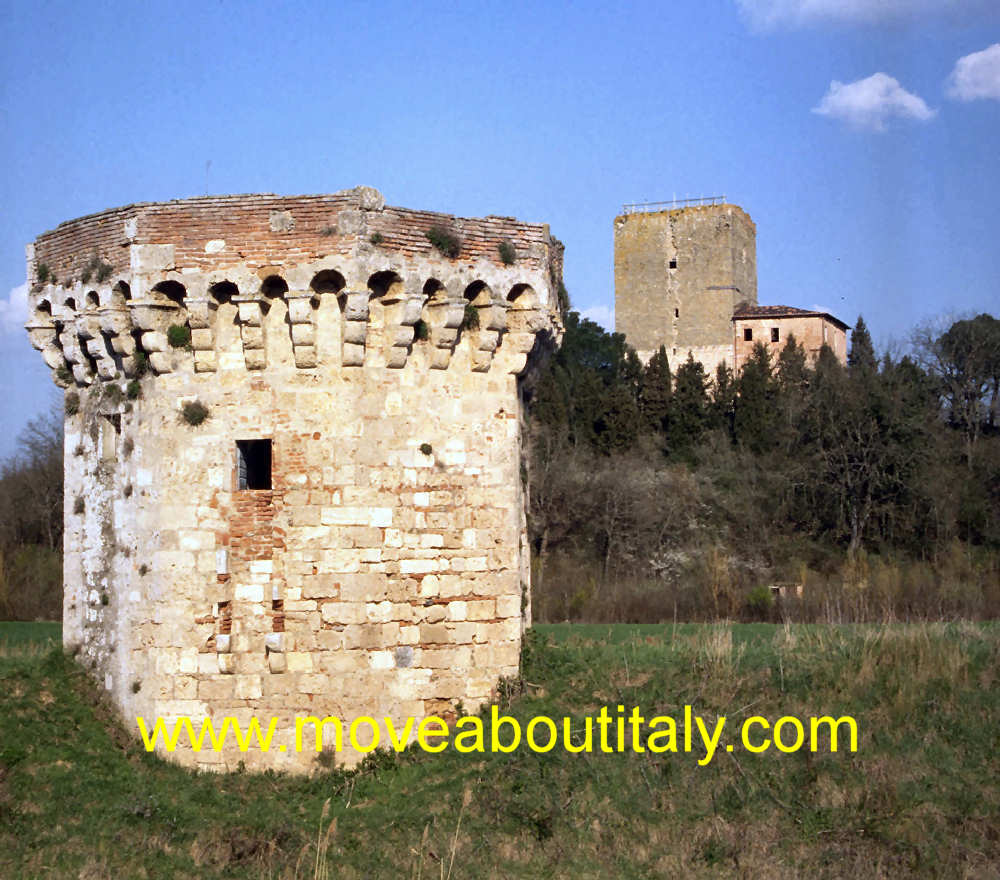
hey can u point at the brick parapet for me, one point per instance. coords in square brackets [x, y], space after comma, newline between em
[99, 316]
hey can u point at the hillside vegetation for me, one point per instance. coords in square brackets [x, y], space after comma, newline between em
[869, 492]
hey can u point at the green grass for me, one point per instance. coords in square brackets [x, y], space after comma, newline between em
[920, 798]
[16, 635]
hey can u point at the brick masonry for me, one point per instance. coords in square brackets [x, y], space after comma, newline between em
[385, 571]
[812, 330]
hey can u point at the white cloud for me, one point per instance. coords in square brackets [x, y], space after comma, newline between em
[976, 75]
[767, 14]
[14, 310]
[603, 315]
[869, 103]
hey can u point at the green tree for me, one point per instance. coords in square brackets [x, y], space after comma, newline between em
[966, 360]
[866, 433]
[654, 393]
[689, 410]
[862, 354]
[755, 417]
[590, 387]
[723, 406]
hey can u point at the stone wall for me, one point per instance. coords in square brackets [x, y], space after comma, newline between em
[384, 570]
[679, 275]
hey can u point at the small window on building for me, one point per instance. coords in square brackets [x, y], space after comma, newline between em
[747, 334]
[253, 464]
[677, 313]
[673, 264]
[774, 334]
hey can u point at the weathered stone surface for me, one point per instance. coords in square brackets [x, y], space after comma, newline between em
[306, 597]
[679, 275]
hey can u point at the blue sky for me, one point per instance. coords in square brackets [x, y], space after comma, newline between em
[862, 136]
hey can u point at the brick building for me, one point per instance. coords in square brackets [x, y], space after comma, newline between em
[344, 533]
[772, 325]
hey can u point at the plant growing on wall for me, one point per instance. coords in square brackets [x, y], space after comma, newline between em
[470, 320]
[444, 240]
[420, 330]
[72, 403]
[508, 253]
[179, 336]
[194, 412]
[112, 393]
[376, 238]
[96, 268]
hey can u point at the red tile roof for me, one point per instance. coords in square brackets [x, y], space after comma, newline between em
[747, 311]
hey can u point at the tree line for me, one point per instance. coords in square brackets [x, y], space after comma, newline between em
[877, 482]
[31, 523]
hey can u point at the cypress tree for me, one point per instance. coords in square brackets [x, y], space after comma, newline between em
[861, 358]
[655, 391]
[688, 409]
[756, 389]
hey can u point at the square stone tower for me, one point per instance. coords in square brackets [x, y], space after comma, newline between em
[293, 454]
[679, 276]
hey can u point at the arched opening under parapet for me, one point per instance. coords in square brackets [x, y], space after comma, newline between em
[522, 296]
[44, 310]
[223, 291]
[434, 293]
[227, 331]
[57, 326]
[120, 294]
[88, 359]
[111, 353]
[434, 290]
[277, 327]
[170, 291]
[93, 300]
[327, 281]
[328, 304]
[69, 303]
[272, 287]
[522, 301]
[141, 356]
[386, 285]
[478, 294]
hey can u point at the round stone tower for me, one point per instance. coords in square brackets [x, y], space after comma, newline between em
[293, 448]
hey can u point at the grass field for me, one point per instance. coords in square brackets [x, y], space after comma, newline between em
[39, 636]
[921, 797]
